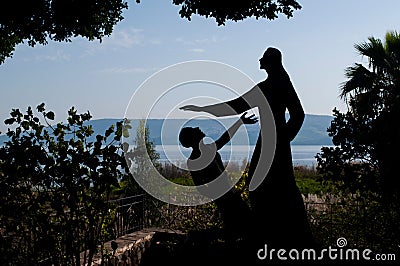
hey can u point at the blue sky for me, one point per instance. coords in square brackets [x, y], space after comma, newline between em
[317, 45]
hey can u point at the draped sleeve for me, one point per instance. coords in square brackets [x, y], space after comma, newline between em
[235, 106]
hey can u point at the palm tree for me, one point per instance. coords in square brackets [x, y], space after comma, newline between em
[364, 160]
[372, 93]
[375, 88]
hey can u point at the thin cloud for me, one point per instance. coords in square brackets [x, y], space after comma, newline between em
[125, 38]
[156, 42]
[118, 39]
[211, 40]
[128, 70]
[197, 50]
[60, 55]
[183, 41]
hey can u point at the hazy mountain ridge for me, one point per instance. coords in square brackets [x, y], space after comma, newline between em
[313, 131]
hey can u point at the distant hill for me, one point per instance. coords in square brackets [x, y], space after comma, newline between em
[313, 131]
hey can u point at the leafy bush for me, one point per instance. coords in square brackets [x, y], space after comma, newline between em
[361, 219]
[55, 182]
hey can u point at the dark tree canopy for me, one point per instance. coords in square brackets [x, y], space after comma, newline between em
[367, 136]
[224, 10]
[37, 21]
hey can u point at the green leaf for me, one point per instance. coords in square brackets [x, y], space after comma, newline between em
[25, 125]
[86, 116]
[40, 107]
[29, 111]
[50, 115]
[125, 133]
[99, 138]
[109, 131]
[9, 121]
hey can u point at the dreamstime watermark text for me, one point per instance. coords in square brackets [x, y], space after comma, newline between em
[330, 253]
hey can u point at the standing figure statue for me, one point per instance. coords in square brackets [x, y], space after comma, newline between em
[279, 217]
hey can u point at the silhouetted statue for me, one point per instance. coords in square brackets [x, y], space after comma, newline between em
[205, 165]
[279, 214]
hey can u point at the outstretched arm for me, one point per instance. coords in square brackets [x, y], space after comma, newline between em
[232, 107]
[226, 137]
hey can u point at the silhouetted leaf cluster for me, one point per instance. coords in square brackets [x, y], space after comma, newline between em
[224, 10]
[36, 21]
[55, 185]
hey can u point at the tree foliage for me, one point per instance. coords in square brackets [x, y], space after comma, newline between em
[142, 159]
[37, 21]
[224, 10]
[55, 183]
[367, 136]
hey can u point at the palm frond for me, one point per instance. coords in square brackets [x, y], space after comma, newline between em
[392, 43]
[376, 53]
[392, 46]
[359, 79]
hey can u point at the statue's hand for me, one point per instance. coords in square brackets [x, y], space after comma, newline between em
[193, 108]
[248, 120]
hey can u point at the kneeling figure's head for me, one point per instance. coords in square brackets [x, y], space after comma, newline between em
[190, 136]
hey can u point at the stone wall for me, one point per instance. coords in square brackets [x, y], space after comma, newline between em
[131, 248]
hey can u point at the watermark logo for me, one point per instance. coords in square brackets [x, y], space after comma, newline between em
[330, 253]
[201, 83]
[341, 242]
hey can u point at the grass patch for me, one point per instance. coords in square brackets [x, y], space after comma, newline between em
[309, 182]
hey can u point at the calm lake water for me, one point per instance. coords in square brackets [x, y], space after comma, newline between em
[302, 154]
